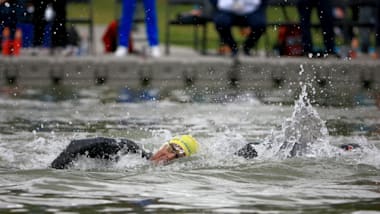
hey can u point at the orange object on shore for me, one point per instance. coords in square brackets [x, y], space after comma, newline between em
[6, 42]
[17, 43]
[224, 50]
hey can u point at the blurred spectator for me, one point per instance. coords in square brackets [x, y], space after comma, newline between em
[325, 14]
[8, 16]
[377, 51]
[361, 42]
[358, 36]
[366, 14]
[53, 12]
[242, 13]
[25, 23]
[10, 37]
[125, 27]
[346, 32]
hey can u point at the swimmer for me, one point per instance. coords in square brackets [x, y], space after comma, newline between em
[177, 147]
[249, 152]
[350, 146]
[112, 149]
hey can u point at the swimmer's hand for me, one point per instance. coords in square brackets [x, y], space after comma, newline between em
[164, 155]
[247, 152]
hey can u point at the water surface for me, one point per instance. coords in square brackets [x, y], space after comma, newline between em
[33, 131]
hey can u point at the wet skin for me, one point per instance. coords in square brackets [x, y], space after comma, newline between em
[165, 154]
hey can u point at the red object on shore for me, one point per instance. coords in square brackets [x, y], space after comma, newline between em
[110, 38]
[6, 47]
[290, 40]
[6, 43]
[11, 47]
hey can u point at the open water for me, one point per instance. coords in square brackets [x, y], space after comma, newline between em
[34, 129]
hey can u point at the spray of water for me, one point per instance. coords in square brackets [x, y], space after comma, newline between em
[305, 135]
[302, 134]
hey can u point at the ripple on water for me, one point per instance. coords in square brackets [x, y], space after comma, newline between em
[33, 133]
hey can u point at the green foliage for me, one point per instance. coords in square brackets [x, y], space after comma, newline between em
[104, 11]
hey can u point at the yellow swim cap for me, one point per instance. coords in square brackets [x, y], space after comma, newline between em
[187, 143]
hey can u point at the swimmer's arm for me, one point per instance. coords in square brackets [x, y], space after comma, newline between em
[104, 148]
[133, 147]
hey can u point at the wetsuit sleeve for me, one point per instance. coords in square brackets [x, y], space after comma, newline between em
[135, 148]
[104, 148]
[247, 152]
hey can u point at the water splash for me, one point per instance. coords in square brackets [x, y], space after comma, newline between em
[30, 152]
[303, 134]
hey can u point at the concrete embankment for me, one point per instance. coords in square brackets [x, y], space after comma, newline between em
[331, 78]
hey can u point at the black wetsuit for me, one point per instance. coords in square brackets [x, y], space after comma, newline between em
[100, 147]
[110, 149]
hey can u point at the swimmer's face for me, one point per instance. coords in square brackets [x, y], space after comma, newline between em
[167, 153]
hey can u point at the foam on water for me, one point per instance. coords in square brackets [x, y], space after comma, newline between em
[303, 130]
[305, 135]
[31, 151]
[367, 154]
